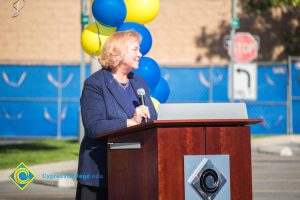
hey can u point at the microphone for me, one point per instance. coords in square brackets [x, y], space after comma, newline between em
[141, 95]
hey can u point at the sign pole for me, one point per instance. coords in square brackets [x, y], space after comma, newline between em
[84, 21]
[232, 61]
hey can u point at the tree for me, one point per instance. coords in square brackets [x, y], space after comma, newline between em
[275, 22]
[261, 5]
[292, 7]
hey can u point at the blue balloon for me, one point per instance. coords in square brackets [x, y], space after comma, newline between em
[149, 70]
[162, 91]
[110, 13]
[143, 31]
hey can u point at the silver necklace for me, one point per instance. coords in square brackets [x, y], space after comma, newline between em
[124, 85]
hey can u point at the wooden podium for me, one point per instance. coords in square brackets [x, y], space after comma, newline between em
[151, 167]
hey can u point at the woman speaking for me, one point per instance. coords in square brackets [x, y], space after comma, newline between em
[109, 102]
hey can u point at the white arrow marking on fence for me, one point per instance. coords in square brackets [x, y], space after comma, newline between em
[269, 80]
[203, 80]
[10, 117]
[219, 78]
[13, 84]
[50, 119]
[264, 123]
[56, 83]
[167, 76]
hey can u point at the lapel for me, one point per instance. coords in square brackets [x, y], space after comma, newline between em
[112, 86]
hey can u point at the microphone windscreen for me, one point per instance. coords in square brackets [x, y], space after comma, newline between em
[140, 92]
[141, 96]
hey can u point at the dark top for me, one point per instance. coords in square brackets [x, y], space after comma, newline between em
[105, 107]
[129, 96]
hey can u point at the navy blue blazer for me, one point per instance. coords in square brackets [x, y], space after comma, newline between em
[103, 109]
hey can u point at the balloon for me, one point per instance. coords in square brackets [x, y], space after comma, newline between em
[162, 91]
[109, 12]
[149, 70]
[90, 38]
[155, 103]
[141, 11]
[146, 43]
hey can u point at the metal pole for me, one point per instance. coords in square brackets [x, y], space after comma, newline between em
[59, 102]
[94, 64]
[289, 103]
[82, 78]
[232, 61]
[211, 85]
[84, 21]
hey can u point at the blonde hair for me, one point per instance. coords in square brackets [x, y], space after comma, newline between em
[114, 49]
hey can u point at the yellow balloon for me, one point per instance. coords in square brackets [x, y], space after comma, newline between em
[141, 11]
[90, 38]
[155, 103]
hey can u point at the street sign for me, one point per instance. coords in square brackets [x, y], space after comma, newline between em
[245, 81]
[235, 23]
[84, 19]
[245, 47]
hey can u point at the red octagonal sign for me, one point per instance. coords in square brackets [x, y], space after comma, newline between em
[245, 47]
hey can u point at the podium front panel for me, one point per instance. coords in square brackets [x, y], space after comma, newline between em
[236, 142]
[173, 144]
[133, 172]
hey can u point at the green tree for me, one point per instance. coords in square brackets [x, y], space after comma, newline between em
[262, 5]
[288, 7]
[275, 22]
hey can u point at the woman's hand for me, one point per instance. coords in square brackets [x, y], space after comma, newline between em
[140, 113]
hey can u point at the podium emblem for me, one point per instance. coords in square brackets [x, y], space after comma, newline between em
[206, 177]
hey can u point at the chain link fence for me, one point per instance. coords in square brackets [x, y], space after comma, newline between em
[39, 101]
[43, 101]
[210, 84]
[294, 94]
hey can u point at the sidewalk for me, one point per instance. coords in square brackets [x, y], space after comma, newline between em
[283, 145]
[276, 145]
[274, 176]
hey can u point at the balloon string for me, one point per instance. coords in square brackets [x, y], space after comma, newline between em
[98, 51]
[16, 7]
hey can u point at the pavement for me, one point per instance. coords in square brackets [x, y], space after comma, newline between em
[283, 145]
[275, 162]
[276, 168]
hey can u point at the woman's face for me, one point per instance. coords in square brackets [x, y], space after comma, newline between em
[132, 56]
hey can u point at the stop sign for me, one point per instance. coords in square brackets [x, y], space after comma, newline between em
[245, 47]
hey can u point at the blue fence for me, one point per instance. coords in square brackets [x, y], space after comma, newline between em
[211, 85]
[295, 93]
[43, 101]
[40, 101]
